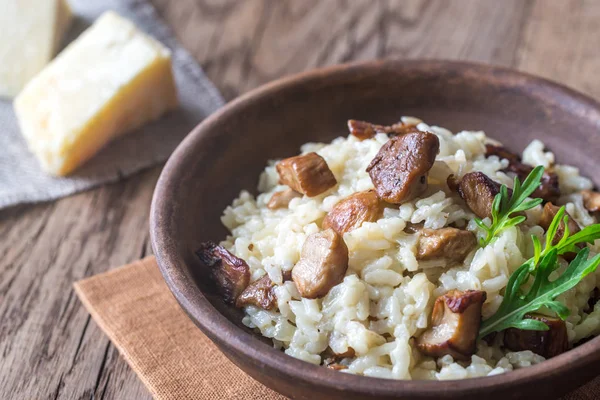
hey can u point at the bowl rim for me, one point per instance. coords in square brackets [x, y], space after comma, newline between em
[226, 334]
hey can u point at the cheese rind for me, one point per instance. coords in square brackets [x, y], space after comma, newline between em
[110, 81]
[31, 33]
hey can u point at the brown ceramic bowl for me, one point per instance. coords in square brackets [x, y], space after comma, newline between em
[227, 151]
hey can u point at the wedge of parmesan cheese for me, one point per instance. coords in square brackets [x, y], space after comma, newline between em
[110, 81]
[31, 33]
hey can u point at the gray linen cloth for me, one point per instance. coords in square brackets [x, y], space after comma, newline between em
[21, 178]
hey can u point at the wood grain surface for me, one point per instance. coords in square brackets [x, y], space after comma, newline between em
[49, 348]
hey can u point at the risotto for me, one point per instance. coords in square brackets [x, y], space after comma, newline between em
[372, 319]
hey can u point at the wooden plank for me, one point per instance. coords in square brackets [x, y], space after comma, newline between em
[244, 44]
[49, 348]
[48, 345]
[560, 42]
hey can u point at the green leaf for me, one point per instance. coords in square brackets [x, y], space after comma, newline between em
[514, 221]
[589, 234]
[537, 249]
[505, 206]
[527, 205]
[559, 308]
[542, 293]
[551, 231]
[496, 206]
[530, 325]
[517, 185]
[481, 224]
[531, 183]
[504, 199]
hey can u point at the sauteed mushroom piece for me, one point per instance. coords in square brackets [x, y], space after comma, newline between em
[351, 212]
[548, 213]
[548, 190]
[547, 344]
[230, 273]
[450, 243]
[399, 171]
[282, 199]
[591, 200]
[307, 174]
[455, 320]
[322, 265]
[502, 153]
[478, 191]
[259, 293]
[366, 130]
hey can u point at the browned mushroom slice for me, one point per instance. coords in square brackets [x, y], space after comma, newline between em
[282, 199]
[455, 320]
[548, 189]
[548, 213]
[450, 243]
[453, 183]
[478, 191]
[322, 265]
[230, 273]
[366, 130]
[351, 212]
[399, 171]
[259, 293]
[502, 152]
[361, 129]
[591, 200]
[307, 174]
[547, 344]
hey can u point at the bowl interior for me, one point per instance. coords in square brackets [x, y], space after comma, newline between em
[227, 152]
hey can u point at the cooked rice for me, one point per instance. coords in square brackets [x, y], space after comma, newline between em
[386, 298]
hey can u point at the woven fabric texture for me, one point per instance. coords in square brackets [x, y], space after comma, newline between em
[173, 358]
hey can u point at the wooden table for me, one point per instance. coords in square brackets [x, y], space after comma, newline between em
[49, 348]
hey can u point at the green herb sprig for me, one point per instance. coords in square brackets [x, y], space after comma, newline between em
[568, 243]
[543, 292]
[504, 207]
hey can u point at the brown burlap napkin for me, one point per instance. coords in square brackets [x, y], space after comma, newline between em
[173, 358]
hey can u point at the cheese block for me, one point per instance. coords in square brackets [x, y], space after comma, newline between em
[110, 81]
[31, 33]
